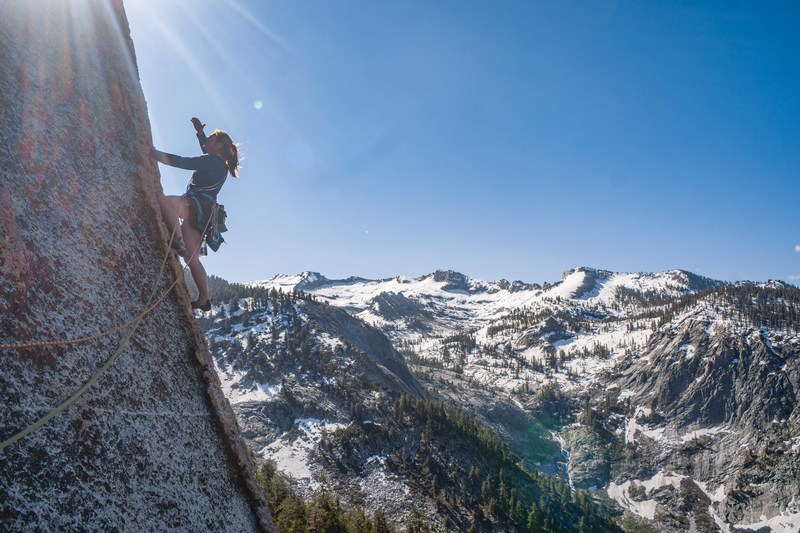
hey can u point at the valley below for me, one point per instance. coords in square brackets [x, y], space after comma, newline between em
[604, 401]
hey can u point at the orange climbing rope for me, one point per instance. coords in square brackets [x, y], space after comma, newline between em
[68, 342]
[110, 361]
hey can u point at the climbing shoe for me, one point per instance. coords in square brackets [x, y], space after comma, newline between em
[203, 307]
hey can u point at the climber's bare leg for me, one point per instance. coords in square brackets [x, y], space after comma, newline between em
[173, 208]
[193, 240]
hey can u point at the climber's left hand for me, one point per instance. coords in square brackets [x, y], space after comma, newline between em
[198, 126]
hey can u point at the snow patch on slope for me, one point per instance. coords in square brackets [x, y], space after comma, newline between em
[291, 455]
[782, 523]
[384, 487]
[646, 507]
[229, 381]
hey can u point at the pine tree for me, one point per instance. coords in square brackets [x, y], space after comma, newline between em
[417, 523]
[379, 523]
[325, 515]
[535, 519]
[291, 515]
[357, 521]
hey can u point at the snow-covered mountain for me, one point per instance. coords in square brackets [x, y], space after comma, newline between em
[430, 318]
[670, 394]
[447, 301]
[329, 399]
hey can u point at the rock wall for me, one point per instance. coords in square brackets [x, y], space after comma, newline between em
[153, 444]
[720, 409]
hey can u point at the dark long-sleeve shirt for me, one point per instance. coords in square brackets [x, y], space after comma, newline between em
[210, 170]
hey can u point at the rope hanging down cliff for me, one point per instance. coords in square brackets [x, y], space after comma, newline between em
[110, 361]
[80, 340]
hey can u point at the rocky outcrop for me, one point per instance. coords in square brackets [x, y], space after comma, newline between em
[153, 444]
[691, 282]
[380, 363]
[397, 306]
[453, 281]
[716, 404]
[587, 464]
[698, 376]
[311, 280]
[516, 286]
[545, 333]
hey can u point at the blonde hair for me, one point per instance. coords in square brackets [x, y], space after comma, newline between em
[230, 151]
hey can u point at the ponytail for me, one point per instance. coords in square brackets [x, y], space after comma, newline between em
[231, 157]
[230, 152]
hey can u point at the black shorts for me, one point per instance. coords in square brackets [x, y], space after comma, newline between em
[200, 208]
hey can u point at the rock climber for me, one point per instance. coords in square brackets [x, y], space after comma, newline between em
[220, 158]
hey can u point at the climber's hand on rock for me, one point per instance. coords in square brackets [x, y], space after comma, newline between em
[198, 126]
[144, 152]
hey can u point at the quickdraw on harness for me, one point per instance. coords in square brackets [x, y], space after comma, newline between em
[216, 226]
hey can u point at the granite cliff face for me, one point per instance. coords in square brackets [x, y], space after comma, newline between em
[714, 403]
[152, 445]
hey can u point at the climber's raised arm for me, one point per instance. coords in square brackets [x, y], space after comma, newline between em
[201, 135]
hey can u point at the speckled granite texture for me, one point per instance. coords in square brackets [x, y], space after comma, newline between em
[153, 445]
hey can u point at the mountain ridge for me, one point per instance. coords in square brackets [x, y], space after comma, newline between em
[621, 379]
[311, 280]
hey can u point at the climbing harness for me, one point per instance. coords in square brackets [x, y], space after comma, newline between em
[114, 356]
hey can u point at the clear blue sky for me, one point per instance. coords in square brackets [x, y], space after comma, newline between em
[512, 139]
